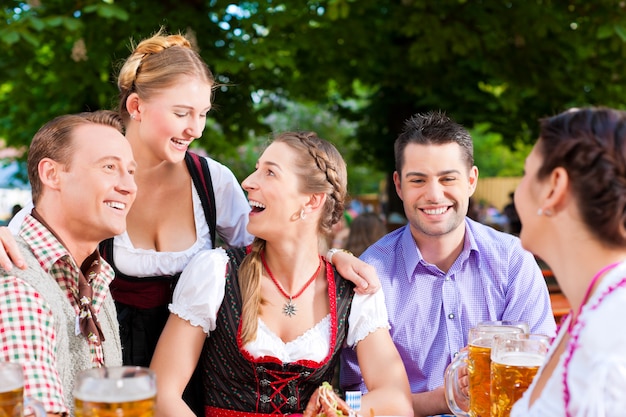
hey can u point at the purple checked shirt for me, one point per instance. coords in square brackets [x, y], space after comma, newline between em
[431, 312]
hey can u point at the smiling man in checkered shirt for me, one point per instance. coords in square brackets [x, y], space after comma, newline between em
[81, 171]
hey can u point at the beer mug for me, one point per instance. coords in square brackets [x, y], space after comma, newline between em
[12, 401]
[521, 324]
[515, 360]
[477, 357]
[124, 391]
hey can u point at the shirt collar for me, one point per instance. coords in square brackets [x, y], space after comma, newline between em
[413, 255]
[45, 246]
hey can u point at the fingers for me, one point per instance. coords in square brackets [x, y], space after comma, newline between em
[10, 254]
[312, 406]
[368, 278]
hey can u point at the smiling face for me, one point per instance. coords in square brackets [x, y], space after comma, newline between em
[274, 193]
[169, 121]
[435, 186]
[97, 189]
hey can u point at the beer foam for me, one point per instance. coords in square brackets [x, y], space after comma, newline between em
[115, 390]
[10, 380]
[521, 359]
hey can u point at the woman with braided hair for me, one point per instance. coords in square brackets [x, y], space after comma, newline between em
[572, 204]
[267, 322]
[183, 200]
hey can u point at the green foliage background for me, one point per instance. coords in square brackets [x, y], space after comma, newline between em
[363, 66]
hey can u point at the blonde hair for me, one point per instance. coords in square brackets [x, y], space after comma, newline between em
[320, 169]
[157, 63]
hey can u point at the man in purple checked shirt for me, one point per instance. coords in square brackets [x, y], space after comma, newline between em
[443, 273]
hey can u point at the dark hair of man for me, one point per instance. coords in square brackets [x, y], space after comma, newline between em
[54, 140]
[433, 128]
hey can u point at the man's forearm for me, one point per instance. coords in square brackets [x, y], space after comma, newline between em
[430, 403]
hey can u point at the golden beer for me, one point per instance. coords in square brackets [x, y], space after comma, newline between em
[123, 391]
[511, 375]
[477, 359]
[11, 402]
[137, 408]
[479, 372]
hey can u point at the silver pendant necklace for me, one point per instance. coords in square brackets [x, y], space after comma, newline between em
[290, 309]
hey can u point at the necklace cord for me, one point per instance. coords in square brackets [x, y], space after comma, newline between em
[280, 287]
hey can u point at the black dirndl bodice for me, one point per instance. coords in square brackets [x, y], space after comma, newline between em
[235, 380]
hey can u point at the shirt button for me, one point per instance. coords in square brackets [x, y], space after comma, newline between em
[451, 316]
[447, 279]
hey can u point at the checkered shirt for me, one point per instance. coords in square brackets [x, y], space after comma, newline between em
[26, 321]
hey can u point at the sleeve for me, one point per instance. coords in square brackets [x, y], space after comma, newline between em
[526, 282]
[367, 314]
[233, 208]
[200, 290]
[28, 336]
[18, 219]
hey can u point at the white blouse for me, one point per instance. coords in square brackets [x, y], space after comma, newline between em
[597, 370]
[137, 262]
[200, 291]
[232, 218]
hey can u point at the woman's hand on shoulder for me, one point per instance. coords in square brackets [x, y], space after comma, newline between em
[362, 274]
[10, 254]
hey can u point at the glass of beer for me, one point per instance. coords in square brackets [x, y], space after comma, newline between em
[12, 401]
[476, 360]
[124, 391]
[521, 324]
[515, 360]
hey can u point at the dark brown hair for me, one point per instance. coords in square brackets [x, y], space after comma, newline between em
[590, 144]
[433, 128]
[365, 229]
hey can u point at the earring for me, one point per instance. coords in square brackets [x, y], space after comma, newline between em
[132, 116]
[302, 214]
[547, 212]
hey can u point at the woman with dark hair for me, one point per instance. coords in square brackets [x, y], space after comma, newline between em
[572, 204]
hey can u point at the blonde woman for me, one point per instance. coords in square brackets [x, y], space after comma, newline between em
[267, 322]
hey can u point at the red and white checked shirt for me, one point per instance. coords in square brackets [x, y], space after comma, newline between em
[26, 320]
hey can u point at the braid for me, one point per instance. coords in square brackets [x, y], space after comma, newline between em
[250, 272]
[321, 151]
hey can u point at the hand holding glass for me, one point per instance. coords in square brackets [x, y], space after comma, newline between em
[478, 360]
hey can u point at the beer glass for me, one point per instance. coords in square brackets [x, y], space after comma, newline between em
[521, 324]
[12, 401]
[477, 357]
[515, 360]
[124, 391]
